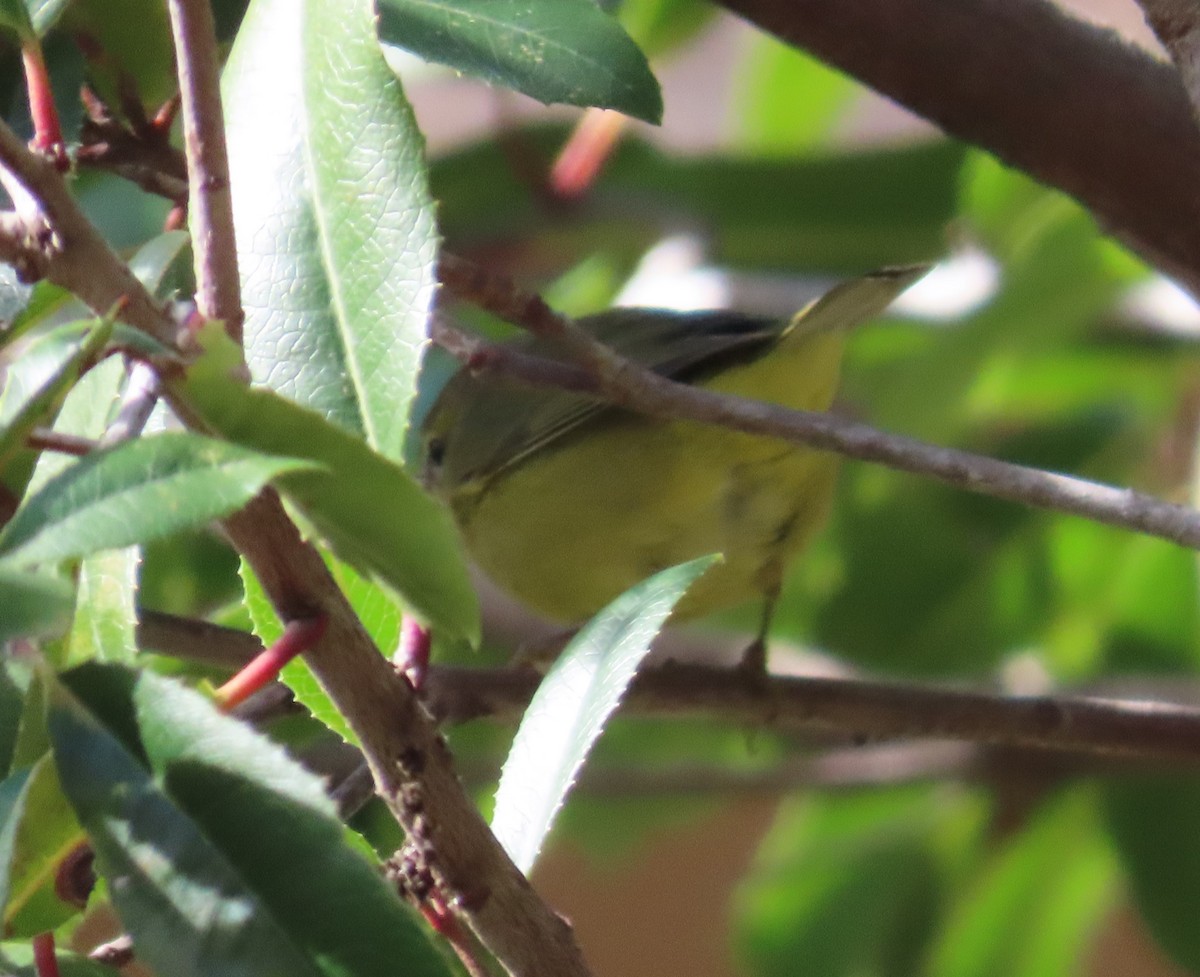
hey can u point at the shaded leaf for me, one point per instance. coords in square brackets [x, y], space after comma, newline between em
[573, 703]
[13, 789]
[135, 37]
[44, 402]
[33, 604]
[839, 212]
[46, 833]
[274, 890]
[851, 884]
[552, 50]
[136, 491]
[12, 702]
[1035, 906]
[15, 16]
[369, 511]
[1153, 822]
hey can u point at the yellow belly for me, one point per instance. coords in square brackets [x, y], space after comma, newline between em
[572, 527]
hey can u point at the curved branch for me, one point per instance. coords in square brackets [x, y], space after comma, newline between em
[1067, 102]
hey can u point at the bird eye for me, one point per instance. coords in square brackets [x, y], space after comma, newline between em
[435, 450]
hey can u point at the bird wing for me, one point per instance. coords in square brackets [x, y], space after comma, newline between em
[506, 422]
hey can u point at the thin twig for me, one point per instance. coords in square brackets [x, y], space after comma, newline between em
[140, 152]
[629, 386]
[137, 404]
[193, 640]
[210, 206]
[884, 765]
[43, 439]
[62, 244]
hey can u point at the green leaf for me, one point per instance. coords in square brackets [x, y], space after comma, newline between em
[851, 883]
[374, 608]
[273, 890]
[45, 13]
[17, 959]
[105, 623]
[135, 36]
[46, 833]
[659, 26]
[334, 221]
[788, 101]
[369, 511]
[573, 703]
[1036, 905]
[15, 16]
[136, 491]
[1153, 822]
[33, 604]
[552, 50]
[45, 401]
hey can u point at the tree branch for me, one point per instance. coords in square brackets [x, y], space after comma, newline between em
[409, 761]
[1177, 25]
[1068, 103]
[61, 243]
[860, 710]
[628, 385]
[853, 709]
[210, 198]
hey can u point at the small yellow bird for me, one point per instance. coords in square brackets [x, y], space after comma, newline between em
[566, 502]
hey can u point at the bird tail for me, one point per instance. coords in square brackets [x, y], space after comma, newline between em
[853, 302]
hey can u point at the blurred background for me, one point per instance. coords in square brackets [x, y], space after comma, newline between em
[691, 848]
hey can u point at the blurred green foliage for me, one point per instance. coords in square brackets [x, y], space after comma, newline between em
[1005, 870]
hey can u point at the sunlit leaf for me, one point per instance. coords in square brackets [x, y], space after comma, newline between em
[136, 491]
[334, 222]
[572, 705]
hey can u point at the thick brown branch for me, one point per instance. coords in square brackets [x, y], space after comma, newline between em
[409, 762]
[1177, 24]
[1066, 102]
